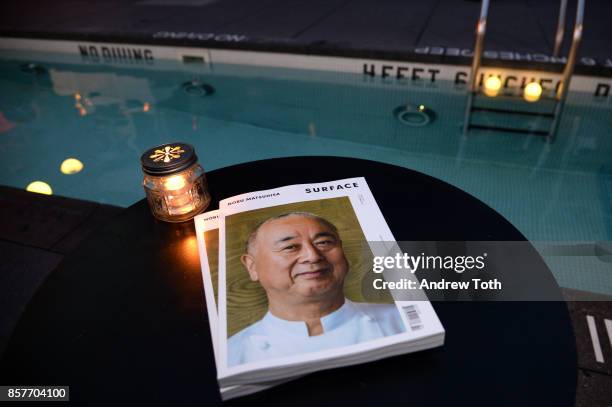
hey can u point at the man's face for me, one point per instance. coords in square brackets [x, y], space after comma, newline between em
[297, 255]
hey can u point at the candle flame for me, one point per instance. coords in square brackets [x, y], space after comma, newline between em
[175, 182]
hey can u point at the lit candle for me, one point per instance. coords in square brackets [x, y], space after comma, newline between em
[174, 182]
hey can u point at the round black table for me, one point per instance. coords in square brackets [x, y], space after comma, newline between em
[123, 319]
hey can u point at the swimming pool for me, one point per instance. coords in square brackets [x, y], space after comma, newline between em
[106, 111]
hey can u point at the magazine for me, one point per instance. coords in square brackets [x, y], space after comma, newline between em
[293, 263]
[207, 232]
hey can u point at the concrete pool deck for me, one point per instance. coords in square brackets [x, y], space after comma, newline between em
[519, 33]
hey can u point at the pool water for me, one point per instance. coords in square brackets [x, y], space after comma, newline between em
[106, 116]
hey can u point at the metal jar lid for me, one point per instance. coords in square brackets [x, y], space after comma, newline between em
[167, 159]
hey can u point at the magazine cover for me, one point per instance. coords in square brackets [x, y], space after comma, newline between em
[293, 264]
[207, 232]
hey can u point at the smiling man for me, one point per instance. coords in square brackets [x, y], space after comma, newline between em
[298, 259]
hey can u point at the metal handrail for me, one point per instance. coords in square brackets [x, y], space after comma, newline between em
[560, 28]
[568, 71]
[481, 28]
[573, 54]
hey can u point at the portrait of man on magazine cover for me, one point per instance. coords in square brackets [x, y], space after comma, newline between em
[296, 256]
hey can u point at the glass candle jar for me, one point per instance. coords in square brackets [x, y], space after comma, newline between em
[174, 182]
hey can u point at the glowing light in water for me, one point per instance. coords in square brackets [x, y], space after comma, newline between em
[71, 166]
[40, 188]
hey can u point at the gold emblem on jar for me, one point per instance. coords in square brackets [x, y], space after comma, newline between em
[167, 154]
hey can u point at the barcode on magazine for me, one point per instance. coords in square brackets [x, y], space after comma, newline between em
[414, 319]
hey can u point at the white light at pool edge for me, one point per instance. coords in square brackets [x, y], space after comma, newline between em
[532, 92]
[492, 86]
[39, 187]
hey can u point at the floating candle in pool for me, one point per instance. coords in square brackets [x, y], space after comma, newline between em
[71, 166]
[174, 182]
[532, 92]
[492, 86]
[39, 187]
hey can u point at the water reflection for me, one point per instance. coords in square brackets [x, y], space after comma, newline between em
[5, 124]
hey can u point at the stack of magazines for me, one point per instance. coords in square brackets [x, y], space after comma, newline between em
[288, 282]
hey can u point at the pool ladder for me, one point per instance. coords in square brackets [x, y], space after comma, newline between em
[560, 93]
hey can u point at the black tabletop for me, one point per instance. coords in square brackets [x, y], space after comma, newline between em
[123, 319]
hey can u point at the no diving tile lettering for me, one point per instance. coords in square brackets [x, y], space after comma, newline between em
[94, 53]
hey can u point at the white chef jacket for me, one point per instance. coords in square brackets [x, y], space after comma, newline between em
[272, 337]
